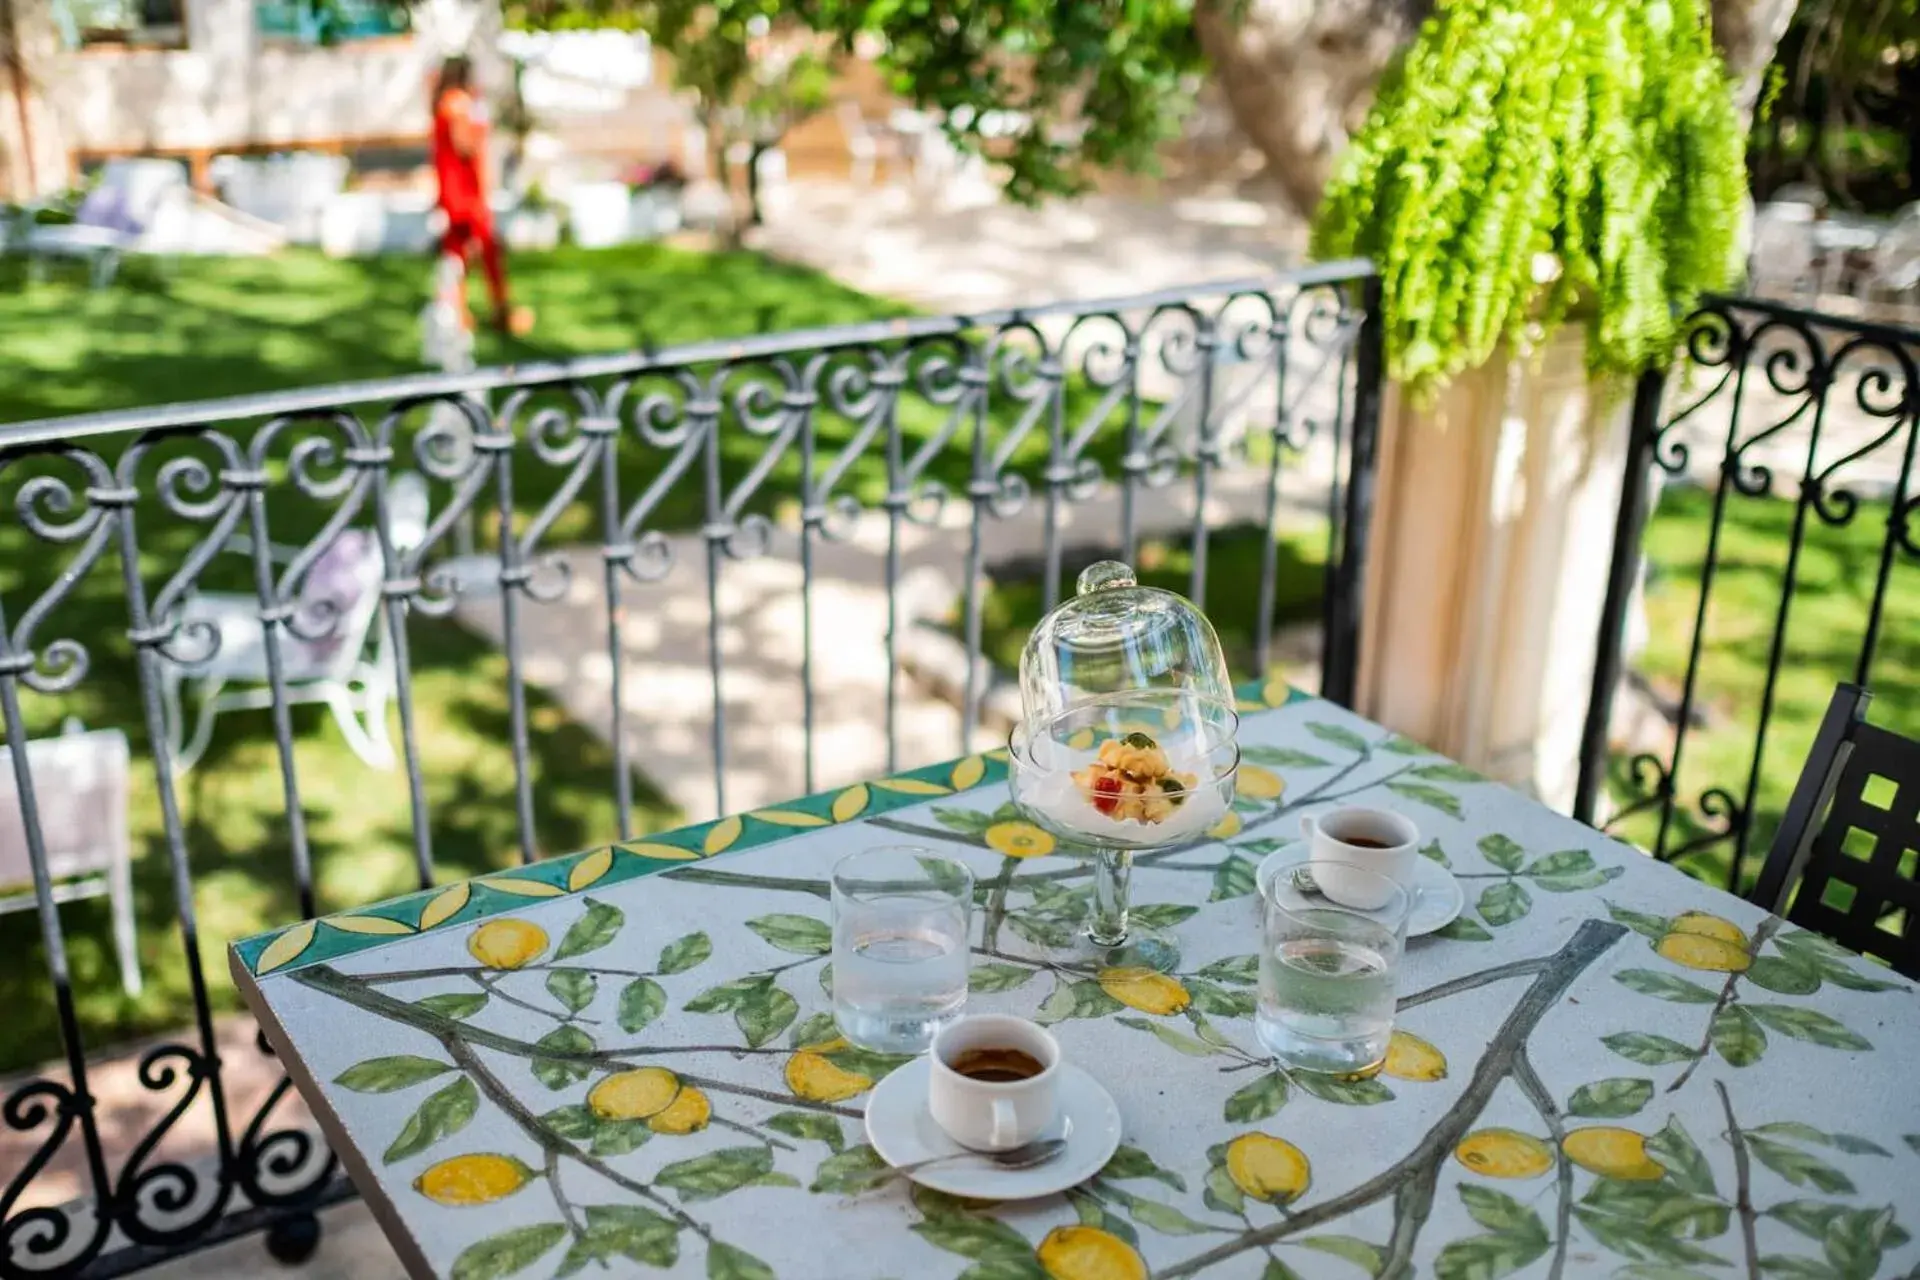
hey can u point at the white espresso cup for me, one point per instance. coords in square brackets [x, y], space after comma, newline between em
[989, 1115]
[1380, 840]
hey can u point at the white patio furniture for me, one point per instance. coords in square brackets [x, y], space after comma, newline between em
[331, 665]
[1784, 250]
[80, 787]
[111, 219]
[1894, 267]
[868, 145]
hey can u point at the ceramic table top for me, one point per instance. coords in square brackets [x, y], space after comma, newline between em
[622, 1062]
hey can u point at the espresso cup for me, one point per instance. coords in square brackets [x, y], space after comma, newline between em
[993, 1115]
[1379, 840]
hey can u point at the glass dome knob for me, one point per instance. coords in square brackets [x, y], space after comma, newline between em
[1104, 574]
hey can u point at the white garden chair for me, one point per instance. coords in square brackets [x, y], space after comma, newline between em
[80, 784]
[1783, 257]
[1894, 272]
[336, 669]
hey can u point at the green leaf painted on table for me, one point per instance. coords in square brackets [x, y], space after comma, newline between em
[809, 1125]
[575, 1123]
[685, 953]
[814, 1029]
[444, 1113]
[1637, 1238]
[641, 1001]
[1210, 1033]
[1337, 735]
[1854, 1243]
[1041, 933]
[1664, 986]
[802, 935]
[968, 822]
[1162, 915]
[1737, 1037]
[385, 1075]
[594, 929]
[1503, 903]
[1282, 757]
[1445, 801]
[1798, 1167]
[1263, 846]
[1499, 1212]
[729, 996]
[1347, 1092]
[1131, 1162]
[1647, 926]
[999, 977]
[1256, 1101]
[1611, 1098]
[1774, 1264]
[1432, 852]
[1646, 1048]
[1233, 878]
[578, 1124]
[1913, 1141]
[1083, 999]
[728, 1262]
[1784, 976]
[1220, 1193]
[717, 1172]
[1400, 745]
[851, 1171]
[627, 1231]
[1168, 1036]
[1813, 944]
[1464, 928]
[507, 1253]
[1242, 971]
[1658, 1271]
[1487, 1257]
[573, 988]
[765, 1014]
[1808, 1024]
[972, 1236]
[557, 1073]
[454, 1004]
[1813, 1219]
[1370, 1258]
[1569, 871]
[1794, 1130]
[1447, 771]
[1218, 1001]
[1503, 852]
[1093, 1212]
[870, 1063]
[1831, 961]
[1674, 1149]
[1164, 1218]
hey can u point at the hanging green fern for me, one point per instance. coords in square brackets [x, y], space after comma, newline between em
[1595, 137]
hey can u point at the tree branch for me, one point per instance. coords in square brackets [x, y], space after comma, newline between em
[1536, 1093]
[1760, 936]
[1556, 973]
[1742, 1172]
[1454, 986]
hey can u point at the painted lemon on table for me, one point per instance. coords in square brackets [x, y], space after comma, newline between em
[1145, 990]
[1504, 1153]
[1706, 942]
[1267, 1168]
[1411, 1058]
[1018, 840]
[1227, 828]
[639, 1094]
[687, 1113]
[506, 943]
[1256, 783]
[1612, 1152]
[814, 1077]
[481, 1178]
[1088, 1253]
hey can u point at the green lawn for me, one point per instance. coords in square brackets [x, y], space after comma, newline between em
[1825, 625]
[227, 327]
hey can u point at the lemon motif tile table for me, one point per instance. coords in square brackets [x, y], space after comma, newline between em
[621, 1062]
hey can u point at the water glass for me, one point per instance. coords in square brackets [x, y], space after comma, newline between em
[900, 953]
[1328, 971]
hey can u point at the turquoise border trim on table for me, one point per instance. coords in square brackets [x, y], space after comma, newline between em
[331, 937]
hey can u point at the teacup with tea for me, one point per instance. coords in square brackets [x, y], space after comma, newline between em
[992, 1083]
[1378, 840]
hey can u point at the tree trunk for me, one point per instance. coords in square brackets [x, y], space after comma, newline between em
[1298, 75]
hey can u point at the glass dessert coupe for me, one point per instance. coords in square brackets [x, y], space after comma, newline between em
[1126, 744]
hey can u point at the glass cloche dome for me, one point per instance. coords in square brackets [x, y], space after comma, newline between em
[1116, 637]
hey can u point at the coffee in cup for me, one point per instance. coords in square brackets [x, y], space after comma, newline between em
[1379, 840]
[992, 1083]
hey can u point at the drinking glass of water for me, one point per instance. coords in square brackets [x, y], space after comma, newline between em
[900, 919]
[1328, 970]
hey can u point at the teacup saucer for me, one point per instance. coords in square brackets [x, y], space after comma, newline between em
[1437, 897]
[903, 1131]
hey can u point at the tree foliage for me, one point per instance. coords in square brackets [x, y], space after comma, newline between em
[1535, 159]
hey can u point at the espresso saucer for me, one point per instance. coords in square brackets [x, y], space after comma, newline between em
[903, 1131]
[1438, 898]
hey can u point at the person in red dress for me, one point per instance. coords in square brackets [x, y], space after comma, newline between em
[459, 162]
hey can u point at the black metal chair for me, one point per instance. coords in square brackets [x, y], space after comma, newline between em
[1850, 839]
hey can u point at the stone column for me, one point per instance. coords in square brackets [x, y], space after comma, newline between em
[1493, 527]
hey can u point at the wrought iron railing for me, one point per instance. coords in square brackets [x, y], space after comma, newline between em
[1772, 469]
[143, 510]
